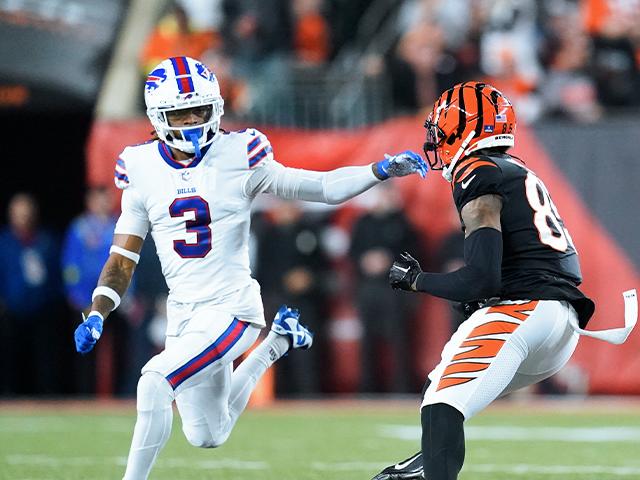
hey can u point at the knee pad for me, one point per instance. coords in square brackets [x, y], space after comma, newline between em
[154, 392]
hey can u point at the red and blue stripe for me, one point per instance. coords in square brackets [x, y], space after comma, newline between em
[120, 175]
[183, 74]
[258, 149]
[211, 354]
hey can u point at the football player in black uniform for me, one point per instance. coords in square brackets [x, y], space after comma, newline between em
[519, 282]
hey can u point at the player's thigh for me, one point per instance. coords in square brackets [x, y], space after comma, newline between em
[204, 406]
[211, 341]
[483, 356]
[550, 341]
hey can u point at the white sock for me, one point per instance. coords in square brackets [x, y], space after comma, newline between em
[153, 425]
[245, 378]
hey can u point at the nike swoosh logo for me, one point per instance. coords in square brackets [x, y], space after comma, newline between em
[401, 465]
[464, 185]
[405, 270]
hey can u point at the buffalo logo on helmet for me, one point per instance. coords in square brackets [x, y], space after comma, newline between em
[204, 72]
[155, 78]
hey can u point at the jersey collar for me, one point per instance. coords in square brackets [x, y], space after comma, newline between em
[165, 153]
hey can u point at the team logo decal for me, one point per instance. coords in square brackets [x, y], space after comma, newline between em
[204, 72]
[155, 78]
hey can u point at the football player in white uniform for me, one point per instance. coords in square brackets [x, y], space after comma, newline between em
[192, 188]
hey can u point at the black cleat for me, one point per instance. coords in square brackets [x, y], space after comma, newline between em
[411, 468]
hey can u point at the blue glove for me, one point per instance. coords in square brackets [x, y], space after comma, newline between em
[404, 163]
[88, 332]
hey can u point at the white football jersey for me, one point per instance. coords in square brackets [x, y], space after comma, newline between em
[198, 216]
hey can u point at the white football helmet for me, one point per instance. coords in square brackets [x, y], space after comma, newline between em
[180, 83]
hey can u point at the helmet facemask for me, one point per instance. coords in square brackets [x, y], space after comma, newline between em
[188, 138]
[435, 136]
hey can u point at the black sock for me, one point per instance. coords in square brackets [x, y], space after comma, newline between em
[442, 441]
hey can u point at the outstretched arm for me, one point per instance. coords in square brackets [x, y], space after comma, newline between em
[113, 283]
[333, 187]
[480, 277]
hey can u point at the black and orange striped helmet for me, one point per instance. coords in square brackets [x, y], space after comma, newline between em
[469, 116]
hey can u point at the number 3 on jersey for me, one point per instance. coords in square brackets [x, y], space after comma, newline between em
[546, 218]
[198, 225]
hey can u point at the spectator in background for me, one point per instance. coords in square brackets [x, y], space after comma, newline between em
[567, 88]
[311, 36]
[257, 30]
[385, 314]
[85, 249]
[174, 36]
[258, 37]
[345, 17]
[615, 30]
[86, 246]
[437, 47]
[204, 15]
[509, 54]
[233, 88]
[292, 269]
[30, 289]
[413, 67]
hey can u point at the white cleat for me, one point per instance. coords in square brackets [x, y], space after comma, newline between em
[286, 323]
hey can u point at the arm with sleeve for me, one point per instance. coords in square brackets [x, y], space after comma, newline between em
[333, 187]
[481, 275]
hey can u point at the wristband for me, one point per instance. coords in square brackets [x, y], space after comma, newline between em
[108, 292]
[134, 257]
[96, 313]
[381, 169]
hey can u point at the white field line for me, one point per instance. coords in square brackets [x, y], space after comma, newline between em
[169, 463]
[526, 434]
[526, 469]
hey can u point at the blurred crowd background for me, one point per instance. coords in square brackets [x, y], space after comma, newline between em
[298, 64]
[573, 58]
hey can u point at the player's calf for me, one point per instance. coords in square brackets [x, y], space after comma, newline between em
[442, 441]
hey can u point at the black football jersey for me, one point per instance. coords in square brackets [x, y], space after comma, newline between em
[539, 259]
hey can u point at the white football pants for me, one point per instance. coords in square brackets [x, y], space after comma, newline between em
[196, 369]
[500, 349]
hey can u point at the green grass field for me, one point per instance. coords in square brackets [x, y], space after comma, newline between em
[346, 441]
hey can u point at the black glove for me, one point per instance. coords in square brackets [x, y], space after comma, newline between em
[404, 272]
